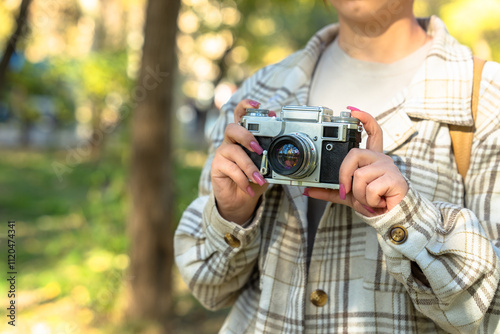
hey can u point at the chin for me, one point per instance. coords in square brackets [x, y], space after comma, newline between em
[363, 11]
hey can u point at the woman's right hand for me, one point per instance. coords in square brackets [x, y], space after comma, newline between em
[232, 168]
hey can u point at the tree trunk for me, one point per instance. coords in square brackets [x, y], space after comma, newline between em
[151, 225]
[14, 38]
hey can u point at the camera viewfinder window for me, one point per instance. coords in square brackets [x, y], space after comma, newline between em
[253, 127]
[330, 132]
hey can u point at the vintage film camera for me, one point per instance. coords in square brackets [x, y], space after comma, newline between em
[305, 146]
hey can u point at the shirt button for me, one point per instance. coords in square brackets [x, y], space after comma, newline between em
[398, 234]
[319, 298]
[231, 240]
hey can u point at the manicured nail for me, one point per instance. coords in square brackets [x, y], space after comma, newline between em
[353, 108]
[256, 147]
[306, 192]
[258, 178]
[250, 191]
[342, 191]
[254, 104]
[370, 210]
[271, 114]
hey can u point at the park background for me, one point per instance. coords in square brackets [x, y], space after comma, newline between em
[95, 187]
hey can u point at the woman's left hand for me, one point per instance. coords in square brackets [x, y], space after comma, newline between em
[370, 182]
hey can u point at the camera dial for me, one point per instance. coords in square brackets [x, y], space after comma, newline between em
[257, 112]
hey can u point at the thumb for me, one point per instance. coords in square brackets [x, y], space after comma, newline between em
[374, 131]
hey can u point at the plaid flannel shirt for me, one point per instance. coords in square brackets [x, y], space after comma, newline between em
[365, 282]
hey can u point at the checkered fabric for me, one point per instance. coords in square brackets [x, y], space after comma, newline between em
[443, 278]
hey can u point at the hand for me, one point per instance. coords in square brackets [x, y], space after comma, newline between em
[370, 182]
[232, 168]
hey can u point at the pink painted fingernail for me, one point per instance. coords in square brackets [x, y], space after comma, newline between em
[342, 191]
[306, 192]
[370, 210]
[254, 104]
[250, 191]
[256, 147]
[258, 178]
[271, 114]
[353, 108]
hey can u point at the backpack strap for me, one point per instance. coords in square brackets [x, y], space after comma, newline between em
[461, 136]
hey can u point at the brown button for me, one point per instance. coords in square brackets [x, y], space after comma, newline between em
[319, 298]
[231, 240]
[398, 234]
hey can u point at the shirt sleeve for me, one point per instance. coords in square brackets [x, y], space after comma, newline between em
[455, 248]
[215, 257]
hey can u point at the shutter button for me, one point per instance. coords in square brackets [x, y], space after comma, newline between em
[319, 298]
[398, 234]
[232, 240]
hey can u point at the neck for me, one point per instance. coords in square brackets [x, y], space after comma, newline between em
[372, 41]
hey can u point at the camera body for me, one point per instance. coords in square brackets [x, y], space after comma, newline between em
[305, 146]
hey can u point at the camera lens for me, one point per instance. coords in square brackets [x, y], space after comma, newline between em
[288, 155]
[292, 155]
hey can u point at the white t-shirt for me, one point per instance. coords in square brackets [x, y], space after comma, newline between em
[340, 81]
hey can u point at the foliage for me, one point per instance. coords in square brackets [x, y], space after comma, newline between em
[63, 229]
[279, 27]
[88, 75]
[71, 237]
[68, 81]
[227, 40]
[475, 24]
[29, 81]
[99, 74]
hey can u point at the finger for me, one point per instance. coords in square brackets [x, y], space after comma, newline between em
[376, 191]
[236, 155]
[359, 182]
[374, 131]
[332, 195]
[389, 189]
[235, 134]
[241, 108]
[371, 194]
[226, 175]
[355, 159]
[225, 170]
[258, 189]
[329, 195]
[366, 210]
[363, 178]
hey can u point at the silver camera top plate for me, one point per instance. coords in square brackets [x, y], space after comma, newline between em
[305, 113]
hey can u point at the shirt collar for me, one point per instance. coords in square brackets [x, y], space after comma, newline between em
[441, 89]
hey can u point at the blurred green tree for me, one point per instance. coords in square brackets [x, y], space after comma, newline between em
[101, 87]
[32, 82]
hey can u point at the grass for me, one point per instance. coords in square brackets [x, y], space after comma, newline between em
[71, 242]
